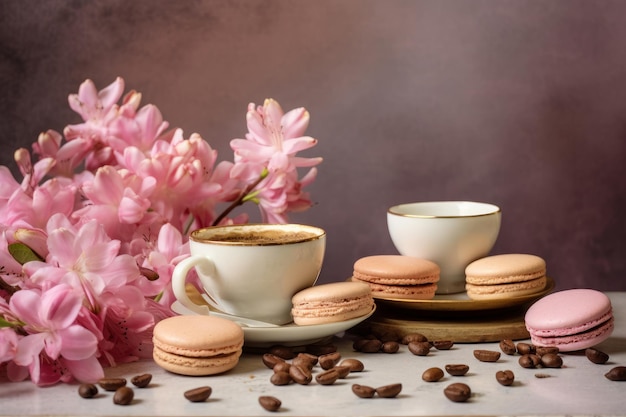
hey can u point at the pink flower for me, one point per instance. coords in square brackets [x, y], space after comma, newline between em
[48, 318]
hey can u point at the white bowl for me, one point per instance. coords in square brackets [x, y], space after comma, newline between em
[450, 233]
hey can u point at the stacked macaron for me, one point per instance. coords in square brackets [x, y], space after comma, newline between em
[504, 276]
[329, 303]
[570, 320]
[398, 276]
[197, 345]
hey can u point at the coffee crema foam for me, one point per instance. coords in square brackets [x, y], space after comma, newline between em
[259, 237]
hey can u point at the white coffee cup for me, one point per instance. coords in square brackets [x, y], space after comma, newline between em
[450, 233]
[252, 270]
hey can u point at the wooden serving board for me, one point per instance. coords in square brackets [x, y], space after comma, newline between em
[471, 330]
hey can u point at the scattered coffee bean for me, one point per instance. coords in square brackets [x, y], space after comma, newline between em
[342, 371]
[432, 374]
[390, 346]
[419, 348]
[540, 375]
[305, 360]
[617, 374]
[327, 377]
[526, 348]
[284, 352]
[551, 360]
[270, 403]
[111, 384]
[457, 392]
[87, 390]
[355, 365]
[596, 356]
[529, 360]
[329, 360]
[544, 350]
[281, 378]
[141, 381]
[300, 374]
[505, 378]
[443, 344]
[123, 396]
[270, 360]
[457, 369]
[281, 367]
[370, 346]
[486, 355]
[507, 346]
[388, 336]
[198, 395]
[389, 391]
[413, 337]
[363, 391]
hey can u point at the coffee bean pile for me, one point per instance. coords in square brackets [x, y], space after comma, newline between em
[123, 395]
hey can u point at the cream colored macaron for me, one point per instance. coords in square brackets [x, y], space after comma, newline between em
[197, 345]
[504, 276]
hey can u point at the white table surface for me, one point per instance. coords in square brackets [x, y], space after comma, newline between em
[579, 388]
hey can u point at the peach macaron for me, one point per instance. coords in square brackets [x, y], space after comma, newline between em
[398, 276]
[330, 303]
[197, 345]
[505, 276]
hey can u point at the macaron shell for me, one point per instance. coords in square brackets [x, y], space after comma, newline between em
[195, 366]
[505, 268]
[577, 341]
[405, 292]
[329, 303]
[516, 289]
[396, 270]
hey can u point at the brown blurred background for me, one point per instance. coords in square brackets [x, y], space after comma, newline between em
[517, 103]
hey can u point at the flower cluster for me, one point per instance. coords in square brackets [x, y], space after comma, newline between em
[90, 236]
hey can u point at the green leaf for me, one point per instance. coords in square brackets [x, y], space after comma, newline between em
[22, 253]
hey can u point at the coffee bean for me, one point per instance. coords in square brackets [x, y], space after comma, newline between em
[141, 381]
[551, 360]
[343, 371]
[197, 395]
[457, 369]
[327, 377]
[443, 344]
[321, 349]
[281, 367]
[419, 348]
[540, 375]
[306, 360]
[617, 374]
[270, 403]
[329, 360]
[486, 355]
[363, 391]
[87, 390]
[123, 396]
[355, 365]
[371, 346]
[111, 384]
[389, 391]
[526, 348]
[281, 378]
[300, 374]
[457, 392]
[505, 378]
[390, 347]
[596, 356]
[529, 361]
[507, 346]
[544, 350]
[413, 337]
[432, 374]
[270, 360]
[284, 352]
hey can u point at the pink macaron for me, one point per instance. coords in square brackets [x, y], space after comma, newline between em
[570, 319]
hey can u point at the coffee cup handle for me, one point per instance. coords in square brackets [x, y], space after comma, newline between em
[179, 280]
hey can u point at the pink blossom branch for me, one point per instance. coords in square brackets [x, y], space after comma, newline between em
[242, 198]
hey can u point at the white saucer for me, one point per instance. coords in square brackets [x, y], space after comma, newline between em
[289, 334]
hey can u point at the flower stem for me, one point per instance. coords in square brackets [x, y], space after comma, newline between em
[8, 288]
[243, 197]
